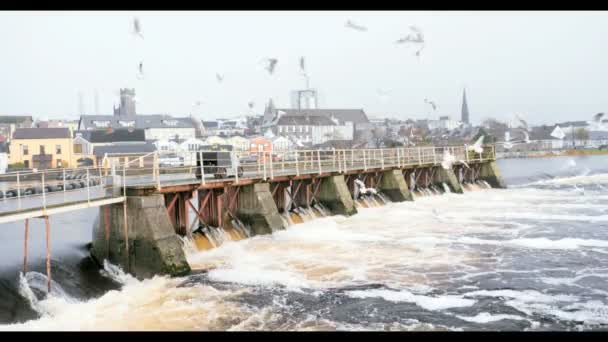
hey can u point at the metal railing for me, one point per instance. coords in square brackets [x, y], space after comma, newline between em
[163, 168]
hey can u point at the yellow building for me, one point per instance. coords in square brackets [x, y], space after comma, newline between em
[42, 148]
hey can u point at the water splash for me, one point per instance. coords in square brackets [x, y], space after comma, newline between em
[446, 188]
[116, 273]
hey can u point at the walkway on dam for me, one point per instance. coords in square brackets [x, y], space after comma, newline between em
[38, 194]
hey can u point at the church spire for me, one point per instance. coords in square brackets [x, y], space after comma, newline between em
[465, 107]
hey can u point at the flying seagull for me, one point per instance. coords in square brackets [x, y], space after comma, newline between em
[140, 74]
[352, 25]
[272, 62]
[417, 37]
[448, 160]
[251, 104]
[526, 136]
[523, 123]
[219, 77]
[137, 27]
[598, 117]
[431, 103]
[419, 51]
[477, 145]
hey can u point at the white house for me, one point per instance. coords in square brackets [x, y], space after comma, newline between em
[191, 144]
[281, 143]
[215, 140]
[313, 129]
[3, 158]
[239, 143]
[444, 122]
[165, 145]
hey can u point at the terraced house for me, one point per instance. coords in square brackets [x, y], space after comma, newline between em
[42, 148]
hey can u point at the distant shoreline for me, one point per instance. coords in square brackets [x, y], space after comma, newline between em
[549, 154]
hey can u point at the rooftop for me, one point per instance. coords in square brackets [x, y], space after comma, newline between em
[42, 133]
[312, 120]
[356, 116]
[117, 135]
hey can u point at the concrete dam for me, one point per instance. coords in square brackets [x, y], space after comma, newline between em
[145, 233]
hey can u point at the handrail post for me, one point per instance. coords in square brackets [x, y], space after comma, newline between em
[236, 173]
[398, 158]
[18, 187]
[419, 156]
[339, 163]
[344, 159]
[271, 166]
[43, 193]
[352, 159]
[382, 159]
[264, 163]
[124, 182]
[319, 160]
[297, 166]
[88, 187]
[202, 168]
[434, 156]
[64, 180]
[364, 161]
[333, 161]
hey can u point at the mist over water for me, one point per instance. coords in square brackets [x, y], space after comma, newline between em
[531, 257]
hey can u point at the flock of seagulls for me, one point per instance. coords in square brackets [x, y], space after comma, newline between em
[137, 32]
[415, 37]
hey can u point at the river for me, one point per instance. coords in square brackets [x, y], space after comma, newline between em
[530, 257]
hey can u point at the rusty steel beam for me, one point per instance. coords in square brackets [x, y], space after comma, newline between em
[48, 252]
[27, 223]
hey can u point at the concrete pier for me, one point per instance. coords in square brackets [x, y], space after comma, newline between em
[334, 194]
[448, 177]
[393, 185]
[257, 209]
[490, 173]
[154, 248]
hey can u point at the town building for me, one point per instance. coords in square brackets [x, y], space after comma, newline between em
[313, 129]
[42, 148]
[71, 124]
[86, 142]
[3, 157]
[156, 127]
[464, 115]
[9, 123]
[444, 123]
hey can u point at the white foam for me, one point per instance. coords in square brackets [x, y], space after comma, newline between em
[539, 243]
[486, 317]
[426, 302]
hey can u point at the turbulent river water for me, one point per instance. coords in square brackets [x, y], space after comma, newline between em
[531, 257]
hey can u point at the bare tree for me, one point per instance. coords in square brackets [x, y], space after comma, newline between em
[403, 133]
[378, 134]
[582, 134]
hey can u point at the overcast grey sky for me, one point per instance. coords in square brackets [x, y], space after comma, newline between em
[547, 66]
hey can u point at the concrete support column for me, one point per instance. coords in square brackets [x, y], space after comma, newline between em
[490, 173]
[154, 248]
[334, 194]
[256, 208]
[448, 177]
[393, 185]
